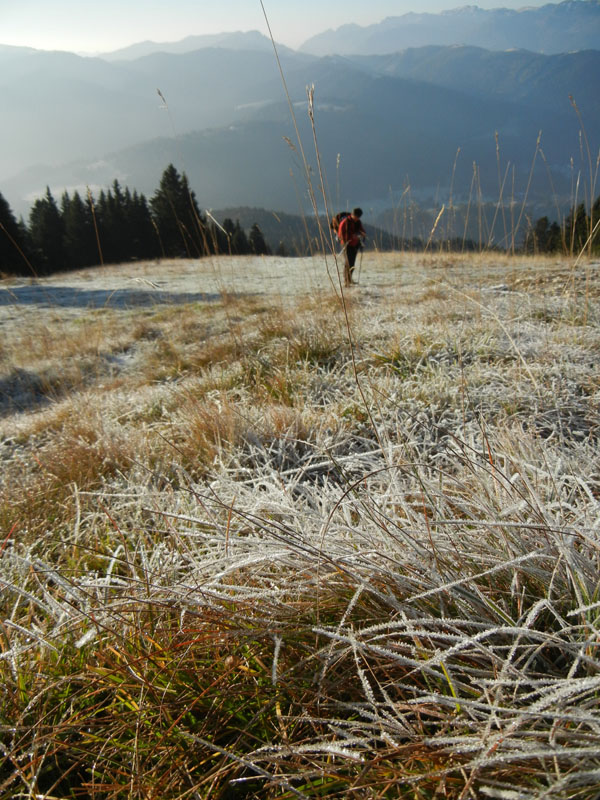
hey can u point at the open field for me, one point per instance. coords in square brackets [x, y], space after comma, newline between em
[264, 539]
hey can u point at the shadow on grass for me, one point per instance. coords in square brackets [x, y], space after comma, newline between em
[67, 296]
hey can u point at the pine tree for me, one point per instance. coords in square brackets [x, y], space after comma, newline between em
[142, 234]
[182, 230]
[13, 243]
[79, 240]
[544, 237]
[229, 229]
[111, 214]
[576, 229]
[90, 205]
[219, 240]
[595, 220]
[258, 246]
[46, 231]
[238, 241]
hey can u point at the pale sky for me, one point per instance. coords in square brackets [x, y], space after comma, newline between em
[103, 25]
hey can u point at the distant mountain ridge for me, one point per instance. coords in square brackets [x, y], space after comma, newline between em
[238, 40]
[516, 75]
[550, 29]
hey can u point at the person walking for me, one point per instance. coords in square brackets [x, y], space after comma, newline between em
[351, 235]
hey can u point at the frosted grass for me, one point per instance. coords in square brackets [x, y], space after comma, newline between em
[431, 582]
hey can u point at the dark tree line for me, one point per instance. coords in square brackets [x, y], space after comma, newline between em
[578, 231]
[117, 226]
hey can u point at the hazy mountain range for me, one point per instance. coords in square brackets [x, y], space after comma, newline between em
[552, 28]
[239, 40]
[409, 123]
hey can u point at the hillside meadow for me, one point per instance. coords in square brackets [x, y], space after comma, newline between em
[264, 538]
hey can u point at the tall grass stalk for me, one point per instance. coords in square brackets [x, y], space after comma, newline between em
[592, 172]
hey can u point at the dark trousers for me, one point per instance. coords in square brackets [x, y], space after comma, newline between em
[350, 260]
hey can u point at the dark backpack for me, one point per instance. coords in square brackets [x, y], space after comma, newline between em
[337, 219]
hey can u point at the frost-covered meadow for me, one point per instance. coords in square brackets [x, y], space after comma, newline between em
[262, 538]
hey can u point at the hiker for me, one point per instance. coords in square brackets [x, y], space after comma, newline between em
[351, 234]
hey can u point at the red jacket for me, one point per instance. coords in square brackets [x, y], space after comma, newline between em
[350, 231]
